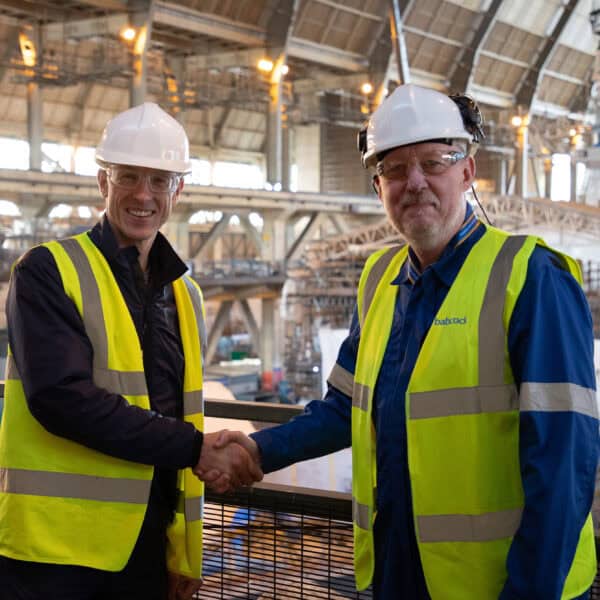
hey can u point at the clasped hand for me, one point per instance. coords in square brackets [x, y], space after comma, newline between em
[228, 460]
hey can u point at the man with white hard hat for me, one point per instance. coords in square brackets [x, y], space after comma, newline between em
[101, 439]
[465, 385]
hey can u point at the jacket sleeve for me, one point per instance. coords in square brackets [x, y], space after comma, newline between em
[324, 426]
[54, 358]
[551, 352]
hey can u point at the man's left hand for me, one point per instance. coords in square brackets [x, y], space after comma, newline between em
[182, 587]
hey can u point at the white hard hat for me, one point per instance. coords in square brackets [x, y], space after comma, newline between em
[412, 114]
[145, 136]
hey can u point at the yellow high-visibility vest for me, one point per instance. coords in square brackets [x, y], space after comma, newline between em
[462, 415]
[64, 503]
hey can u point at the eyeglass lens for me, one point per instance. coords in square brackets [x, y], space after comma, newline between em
[429, 164]
[130, 179]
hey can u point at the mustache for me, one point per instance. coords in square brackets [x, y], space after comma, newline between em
[422, 197]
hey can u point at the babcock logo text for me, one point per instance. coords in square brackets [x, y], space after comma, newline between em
[451, 321]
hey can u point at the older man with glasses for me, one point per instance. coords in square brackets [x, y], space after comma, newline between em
[465, 386]
[101, 439]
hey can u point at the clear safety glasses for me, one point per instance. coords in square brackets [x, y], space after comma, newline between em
[433, 163]
[128, 178]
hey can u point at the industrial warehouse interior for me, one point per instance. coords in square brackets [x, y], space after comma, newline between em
[277, 216]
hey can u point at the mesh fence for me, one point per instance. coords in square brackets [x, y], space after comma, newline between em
[266, 545]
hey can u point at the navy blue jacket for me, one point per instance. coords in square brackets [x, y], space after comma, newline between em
[550, 340]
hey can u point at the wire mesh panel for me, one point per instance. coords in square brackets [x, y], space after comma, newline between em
[274, 543]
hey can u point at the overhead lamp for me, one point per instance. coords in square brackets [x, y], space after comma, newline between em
[265, 65]
[516, 121]
[128, 33]
[28, 51]
[572, 132]
[366, 88]
[285, 69]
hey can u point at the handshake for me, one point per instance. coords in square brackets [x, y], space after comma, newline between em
[228, 460]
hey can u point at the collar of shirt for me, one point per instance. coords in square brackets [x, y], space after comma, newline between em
[165, 264]
[471, 230]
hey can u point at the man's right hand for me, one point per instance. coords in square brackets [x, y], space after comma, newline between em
[225, 463]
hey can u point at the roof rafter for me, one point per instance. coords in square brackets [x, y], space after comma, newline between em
[528, 87]
[468, 57]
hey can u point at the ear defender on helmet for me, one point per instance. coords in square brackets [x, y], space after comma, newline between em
[361, 141]
[471, 115]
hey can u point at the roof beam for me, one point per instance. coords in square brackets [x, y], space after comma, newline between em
[107, 4]
[354, 11]
[86, 28]
[468, 58]
[528, 87]
[187, 19]
[327, 55]
[582, 99]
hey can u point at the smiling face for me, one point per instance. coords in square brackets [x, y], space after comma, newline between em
[138, 202]
[425, 203]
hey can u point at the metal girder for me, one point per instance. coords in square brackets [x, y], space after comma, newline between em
[380, 55]
[279, 30]
[141, 17]
[349, 9]
[106, 4]
[528, 87]
[398, 41]
[295, 250]
[188, 19]
[250, 323]
[280, 26]
[217, 328]
[80, 189]
[582, 99]
[86, 28]
[327, 55]
[251, 231]
[12, 45]
[215, 231]
[468, 58]
[31, 10]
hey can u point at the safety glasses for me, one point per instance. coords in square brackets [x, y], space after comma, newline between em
[129, 178]
[432, 163]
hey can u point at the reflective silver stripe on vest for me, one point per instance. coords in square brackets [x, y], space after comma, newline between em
[92, 304]
[492, 336]
[11, 368]
[197, 304]
[360, 396]
[469, 528]
[193, 402]
[131, 383]
[374, 277]
[194, 509]
[360, 515]
[69, 485]
[557, 397]
[341, 379]
[463, 401]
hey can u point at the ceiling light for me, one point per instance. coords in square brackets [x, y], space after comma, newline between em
[128, 33]
[265, 65]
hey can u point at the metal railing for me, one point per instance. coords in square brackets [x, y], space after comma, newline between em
[273, 541]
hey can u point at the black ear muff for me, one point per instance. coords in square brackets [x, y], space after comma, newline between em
[471, 115]
[361, 142]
